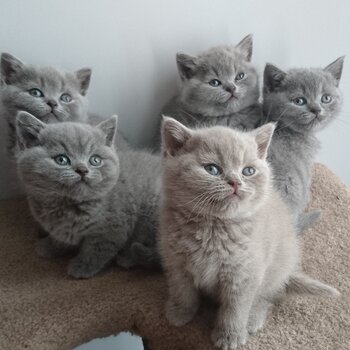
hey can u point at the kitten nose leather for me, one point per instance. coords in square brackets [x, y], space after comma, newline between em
[231, 89]
[81, 171]
[52, 103]
[234, 185]
[315, 110]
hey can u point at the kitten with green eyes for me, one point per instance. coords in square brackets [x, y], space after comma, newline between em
[224, 230]
[47, 93]
[87, 197]
[218, 87]
[301, 102]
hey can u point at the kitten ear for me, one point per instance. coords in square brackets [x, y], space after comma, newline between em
[83, 76]
[245, 46]
[263, 136]
[174, 135]
[28, 129]
[186, 65]
[10, 66]
[109, 128]
[336, 68]
[273, 77]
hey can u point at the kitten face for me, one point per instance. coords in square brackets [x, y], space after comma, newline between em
[67, 159]
[216, 171]
[48, 94]
[303, 99]
[219, 81]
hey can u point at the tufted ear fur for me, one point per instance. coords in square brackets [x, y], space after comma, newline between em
[174, 135]
[83, 76]
[273, 77]
[245, 46]
[263, 137]
[186, 65]
[336, 68]
[109, 128]
[28, 129]
[10, 67]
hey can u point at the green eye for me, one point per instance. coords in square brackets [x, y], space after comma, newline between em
[326, 98]
[240, 76]
[300, 101]
[62, 160]
[66, 98]
[36, 93]
[95, 160]
[213, 169]
[248, 171]
[215, 82]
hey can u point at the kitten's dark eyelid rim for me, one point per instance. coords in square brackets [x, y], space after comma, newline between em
[220, 170]
[62, 155]
[299, 98]
[238, 78]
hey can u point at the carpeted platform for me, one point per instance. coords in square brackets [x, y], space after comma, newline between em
[42, 308]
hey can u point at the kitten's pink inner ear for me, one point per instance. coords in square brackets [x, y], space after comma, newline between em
[263, 137]
[175, 135]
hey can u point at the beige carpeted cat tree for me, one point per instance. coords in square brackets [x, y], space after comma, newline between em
[42, 308]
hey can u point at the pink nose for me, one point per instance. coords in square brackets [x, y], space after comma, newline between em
[234, 185]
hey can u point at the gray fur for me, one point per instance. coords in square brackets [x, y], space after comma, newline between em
[102, 213]
[294, 144]
[235, 243]
[199, 104]
[18, 78]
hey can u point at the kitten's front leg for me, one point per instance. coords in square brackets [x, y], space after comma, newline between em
[236, 299]
[183, 301]
[47, 247]
[95, 253]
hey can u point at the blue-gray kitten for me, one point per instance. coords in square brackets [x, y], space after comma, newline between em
[301, 102]
[45, 92]
[86, 197]
[218, 87]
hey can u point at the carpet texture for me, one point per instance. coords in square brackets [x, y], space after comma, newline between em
[42, 308]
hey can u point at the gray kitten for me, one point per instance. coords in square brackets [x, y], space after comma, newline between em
[86, 197]
[47, 93]
[218, 87]
[301, 102]
[224, 230]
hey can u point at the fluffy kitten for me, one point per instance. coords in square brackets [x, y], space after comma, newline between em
[85, 196]
[218, 87]
[301, 102]
[224, 231]
[47, 93]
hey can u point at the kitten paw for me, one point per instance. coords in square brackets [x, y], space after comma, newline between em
[45, 249]
[178, 315]
[254, 325]
[228, 339]
[81, 268]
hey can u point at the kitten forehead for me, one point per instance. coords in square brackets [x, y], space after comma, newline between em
[223, 60]
[309, 80]
[47, 78]
[225, 143]
[74, 138]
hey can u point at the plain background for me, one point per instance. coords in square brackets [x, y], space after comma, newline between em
[131, 46]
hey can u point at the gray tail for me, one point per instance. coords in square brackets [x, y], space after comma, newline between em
[303, 284]
[306, 220]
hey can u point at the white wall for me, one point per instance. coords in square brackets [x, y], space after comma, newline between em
[131, 47]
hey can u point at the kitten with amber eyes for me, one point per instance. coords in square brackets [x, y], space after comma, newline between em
[224, 230]
[86, 196]
[301, 102]
[219, 86]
